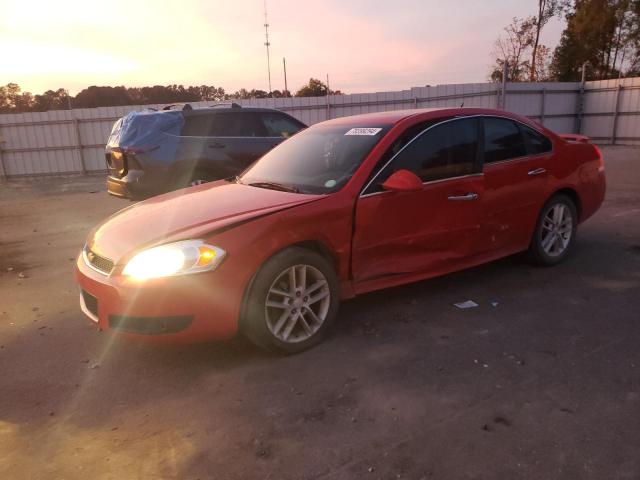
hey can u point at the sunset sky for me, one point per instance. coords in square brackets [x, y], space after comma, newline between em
[364, 45]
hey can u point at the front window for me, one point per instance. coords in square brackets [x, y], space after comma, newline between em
[446, 150]
[318, 160]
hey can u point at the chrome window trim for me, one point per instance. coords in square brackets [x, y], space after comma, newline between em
[480, 115]
[515, 159]
[430, 182]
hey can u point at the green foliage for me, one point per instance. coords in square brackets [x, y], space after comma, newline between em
[315, 88]
[13, 100]
[603, 33]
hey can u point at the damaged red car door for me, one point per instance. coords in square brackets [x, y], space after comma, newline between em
[433, 228]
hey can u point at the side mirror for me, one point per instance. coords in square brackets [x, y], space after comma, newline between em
[403, 181]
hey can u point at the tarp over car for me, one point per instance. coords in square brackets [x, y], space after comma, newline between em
[148, 130]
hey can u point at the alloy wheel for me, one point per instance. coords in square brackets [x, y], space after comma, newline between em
[557, 229]
[297, 303]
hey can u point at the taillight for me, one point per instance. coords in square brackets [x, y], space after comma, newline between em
[131, 154]
[132, 162]
[600, 159]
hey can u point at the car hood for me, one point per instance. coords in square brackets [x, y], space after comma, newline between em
[186, 213]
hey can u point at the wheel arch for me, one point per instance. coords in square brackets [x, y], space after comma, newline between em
[315, 246]
[321, 248]
[573, 195]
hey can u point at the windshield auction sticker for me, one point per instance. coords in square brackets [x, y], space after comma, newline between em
[363, 131]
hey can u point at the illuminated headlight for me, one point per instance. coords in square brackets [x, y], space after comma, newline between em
[179, 258]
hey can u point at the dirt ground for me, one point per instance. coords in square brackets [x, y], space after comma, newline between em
[543, 384]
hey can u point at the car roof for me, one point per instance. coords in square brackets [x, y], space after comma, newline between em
[230, 109]
[383, 119]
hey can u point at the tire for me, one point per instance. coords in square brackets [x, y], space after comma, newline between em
[282, 318]
[559, 218]
[196, 176]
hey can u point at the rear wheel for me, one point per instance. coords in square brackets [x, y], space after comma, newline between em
[555, 231]
[292, 302]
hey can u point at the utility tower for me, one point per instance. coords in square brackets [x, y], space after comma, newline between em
[266, 43]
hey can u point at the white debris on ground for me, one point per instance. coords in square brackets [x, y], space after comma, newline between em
[466, 304]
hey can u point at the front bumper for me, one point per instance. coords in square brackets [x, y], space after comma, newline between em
[189, 308]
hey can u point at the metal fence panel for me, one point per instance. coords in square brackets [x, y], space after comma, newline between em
[73, 140]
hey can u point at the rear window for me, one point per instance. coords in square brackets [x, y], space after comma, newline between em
[502, 140]
[224, 124]
[197, 125]
[237, 124]
[536, 142]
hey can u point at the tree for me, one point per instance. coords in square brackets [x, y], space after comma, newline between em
[52, 100]
[315, 88]
[603, 33]
[102, 97]
[14, 100]
[4, 100]
[547, 9]
[543, 63]
[511, 47]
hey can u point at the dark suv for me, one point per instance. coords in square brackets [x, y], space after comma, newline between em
[153, 152]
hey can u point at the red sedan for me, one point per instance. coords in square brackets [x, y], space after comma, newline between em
[345, 207]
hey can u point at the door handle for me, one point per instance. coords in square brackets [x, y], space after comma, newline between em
[463, 198]
[536, 171]
[216, 145]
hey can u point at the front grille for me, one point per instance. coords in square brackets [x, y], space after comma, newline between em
[90, 302]
[102, 264]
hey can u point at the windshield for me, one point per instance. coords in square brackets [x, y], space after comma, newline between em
[318, 160]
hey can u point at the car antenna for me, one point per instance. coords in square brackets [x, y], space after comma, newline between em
[462, 105]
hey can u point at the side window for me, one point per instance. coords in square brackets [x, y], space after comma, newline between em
[502, 140]
[237, 124]
[397, 145]
[536, 142]
[278, 125]
[445, 151]
[197, 125]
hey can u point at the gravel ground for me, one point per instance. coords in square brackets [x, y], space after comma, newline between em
[541, 381]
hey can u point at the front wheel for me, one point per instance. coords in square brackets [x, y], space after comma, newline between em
[293, 300]
[197, 176]
[555, 231]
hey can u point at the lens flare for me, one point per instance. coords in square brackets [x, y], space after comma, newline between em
[156, 262]
[179, 258]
